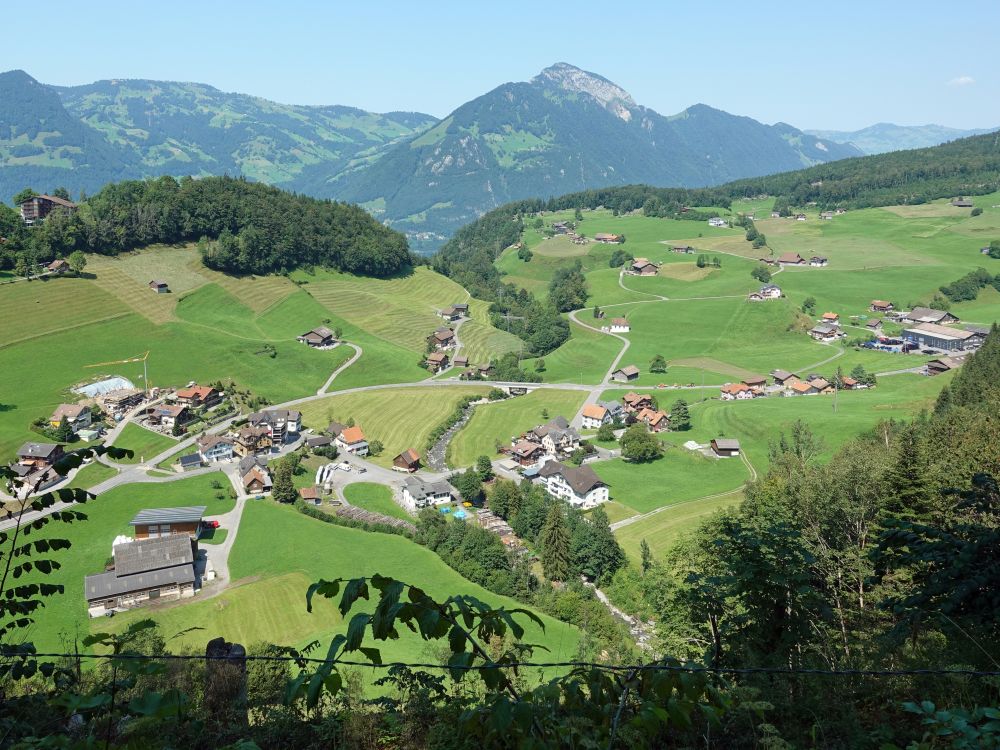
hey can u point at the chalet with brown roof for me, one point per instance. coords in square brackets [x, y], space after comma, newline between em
[352, 440]
[608, 239]
[962, 203]
[578, 485]
[825, 332]
[634, 402]
[625, 374]
[832, 318]
[736, 392]
[168, 415]
[77, 416]
[942, 365]
[682, 249]
[159, 286]
[644, 267]
[791, 259]
[802, 388]
[850, 384]
[455, 312]
[527, 452]
[442, 338]
[38, 207]
[881, 305]
[822, 385]
[256, 480]
[58, 266]
[436, 361]
[199, 396]
[215, 447]
[252, 440]
[461, 361]
[755, 382]
[312, 495]
[874, 325]
[408, 460]
[725, 447]
[319, 338]
[929, 315]
[39, 455]
[655, 421]
[783, 377]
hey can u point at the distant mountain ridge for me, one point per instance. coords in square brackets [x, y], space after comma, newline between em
[883, 137]
[565, 130]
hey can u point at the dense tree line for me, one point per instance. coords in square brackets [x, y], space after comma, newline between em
[968, 287]
[241, 227]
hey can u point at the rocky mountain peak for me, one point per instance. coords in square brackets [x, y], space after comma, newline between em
[571, 78]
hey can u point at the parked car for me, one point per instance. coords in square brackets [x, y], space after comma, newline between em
[213, 524]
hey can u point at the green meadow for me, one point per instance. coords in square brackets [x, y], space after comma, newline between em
[376, 498]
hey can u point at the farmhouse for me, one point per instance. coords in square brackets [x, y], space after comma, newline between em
[775, 214]
[215, 447]
[352, 440]
[831, 318]
[152, 523]
[160, 287]
[725, 447]
[595, 415]
[442, 338]
[825, 332]
[77, 416]
[461, 361]
[683, 249]
[942, 364]
[455, 312]
[318, 337]
[800, 217]
[770, 291]
[280, 423]
[252, 440]
[927, 315]
[625, 374]
[933, 336]
[609, 239]
[318, 441]
[756, 383]
[783, 377]
[962, 203]
[199, 395]
[312, 495]
[802, 388]
[818, 261]
[791, 259]
[38, 207]
[655, 421]
[168, 415]
[881, 305]
[146, 569]
[58, 267]
[578, 485]
[874, 325]
[556, 436]
[527, 452]
[436, 361]
[619, 325]
[122, 399]
[560, 227]
[826, 215]
[254, 475]
[39, 455]
[408, 460]
[715, 221]
[416, 493]
[644, 267]
[736, 392]
[634, 402]
[822, 385]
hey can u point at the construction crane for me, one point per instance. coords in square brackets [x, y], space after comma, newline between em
[138, 358]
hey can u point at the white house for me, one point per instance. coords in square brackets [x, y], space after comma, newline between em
[280, 423]
[215, 447]
[715, 221]
[420, 494]
[352, 440]
[736, 392]
[578, 485]
[556, 437]
[595, 415]
[619, 325]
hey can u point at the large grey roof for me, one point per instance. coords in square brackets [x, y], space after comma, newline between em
[38, 450]
[248, 462]
[727, 444]
[108, 584]
[187, 514]
[420, 489]
[145, 555]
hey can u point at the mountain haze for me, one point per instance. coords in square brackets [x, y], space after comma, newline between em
[885, 136]
[564, 130]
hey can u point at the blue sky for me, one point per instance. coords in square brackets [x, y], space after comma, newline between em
[832, 65]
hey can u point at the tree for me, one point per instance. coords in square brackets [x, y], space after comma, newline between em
[22, 267]
[282, 489]
[605, 432]
[577, 456]
[61, 192]
[759, 242]
[505, 498]
[375, 447]
[639, 445]
[597, 312]
[995, 249]
[578, 214]
[717, 261]
[484, 468]
[680, 417]
[537, 223]
[702, 261]
[555, 543]
[77, 261]
[809, 305]
[619, 257]
[976, 211]
[23, 195]
[545, 413]
[646, 556]
[63, 433]
[594, 549]
[762, 274]
[658, 364]
[568, 288]
[540, 364]
[469, 485]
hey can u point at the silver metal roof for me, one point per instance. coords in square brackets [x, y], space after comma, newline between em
[189, 514]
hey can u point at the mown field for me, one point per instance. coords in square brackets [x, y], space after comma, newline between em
[376, 498]
[144, 444]
[401, 418]
[501, 420]
[279, 574]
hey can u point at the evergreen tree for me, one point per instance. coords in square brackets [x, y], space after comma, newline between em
[595, 551]
[680, 417]
[906, 479]
[658, 364]
[578, 214]
[597, 312]
[646, 555]
[283, 490]
[555, 543]
[484, 468]
[63, 433]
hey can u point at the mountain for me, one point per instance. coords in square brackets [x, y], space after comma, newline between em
[564, 130]
[885, 136]
[85, 136]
